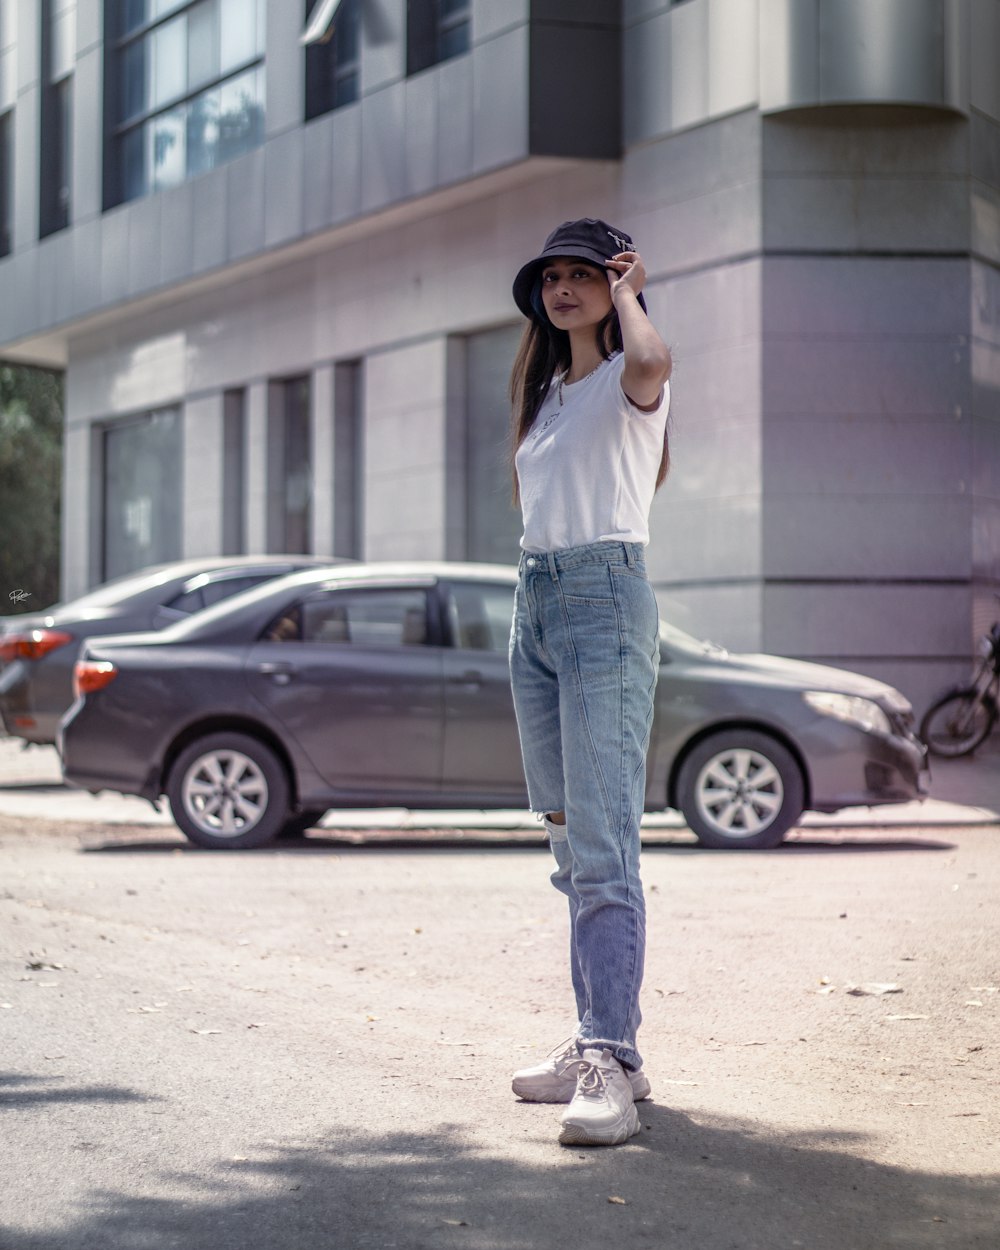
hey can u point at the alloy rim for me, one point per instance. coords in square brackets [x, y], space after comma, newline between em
[739, 793]
[225, 793]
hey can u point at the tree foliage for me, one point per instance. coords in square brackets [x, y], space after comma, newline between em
[31, 442]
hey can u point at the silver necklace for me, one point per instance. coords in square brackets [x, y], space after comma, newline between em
[562, 377]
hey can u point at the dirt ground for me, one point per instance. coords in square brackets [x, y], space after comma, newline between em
[310, 1046]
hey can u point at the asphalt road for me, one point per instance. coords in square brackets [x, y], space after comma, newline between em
[310, 1046]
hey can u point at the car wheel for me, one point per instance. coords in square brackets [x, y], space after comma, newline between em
[295, 826]
[228, 791]
[956, 724]
[740, 789]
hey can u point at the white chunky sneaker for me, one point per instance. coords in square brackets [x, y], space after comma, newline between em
[554, 1079]
[602, 1112]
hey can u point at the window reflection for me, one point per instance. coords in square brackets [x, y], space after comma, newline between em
[189, 90]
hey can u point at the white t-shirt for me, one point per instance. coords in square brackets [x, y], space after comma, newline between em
[587, 470]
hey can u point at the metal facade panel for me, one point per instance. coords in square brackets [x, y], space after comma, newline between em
[881, 51]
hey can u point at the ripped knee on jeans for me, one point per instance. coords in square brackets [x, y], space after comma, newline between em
[556, 818]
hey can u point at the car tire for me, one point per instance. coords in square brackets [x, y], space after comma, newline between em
[295, 826]
[740, 790]
[956, 724]
[228, 791]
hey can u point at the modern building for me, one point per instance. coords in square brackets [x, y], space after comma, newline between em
[277, 277]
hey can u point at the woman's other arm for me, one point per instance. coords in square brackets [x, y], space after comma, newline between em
[647, 358]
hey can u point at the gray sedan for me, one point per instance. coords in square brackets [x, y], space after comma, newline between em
[38, 650]
[387, 685]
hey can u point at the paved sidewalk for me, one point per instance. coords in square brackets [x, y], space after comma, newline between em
[963, 792]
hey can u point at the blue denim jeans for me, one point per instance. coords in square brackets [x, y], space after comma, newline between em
[584, 657]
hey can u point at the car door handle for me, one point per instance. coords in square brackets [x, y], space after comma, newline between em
[278, 669]
[471, 677]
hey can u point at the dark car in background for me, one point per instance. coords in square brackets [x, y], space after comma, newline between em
[388, 685]
[38, 650]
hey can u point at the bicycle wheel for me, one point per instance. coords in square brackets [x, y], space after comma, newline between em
[956, 724]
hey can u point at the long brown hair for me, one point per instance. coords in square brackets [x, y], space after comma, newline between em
[544, 351]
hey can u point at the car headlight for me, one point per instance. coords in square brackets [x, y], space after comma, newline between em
[851, 709]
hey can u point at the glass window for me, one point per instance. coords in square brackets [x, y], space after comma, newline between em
[203, 132]
[188, 82]
[348, 460]
[436, 30]
[8, 53]
[169, 45]
[333, 66]
[134, 80]
[6, 182]
[168, 136]
[214, 591]
[367, 618]
[480, 614]
[203, 44]
[285, 628]
[297, 442]
[190, 601]
[233, 471]
[240, 42]
[241, 115]
[142, 504]
[58, 48]
[63, 52]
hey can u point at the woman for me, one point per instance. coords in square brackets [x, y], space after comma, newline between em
[590, 397]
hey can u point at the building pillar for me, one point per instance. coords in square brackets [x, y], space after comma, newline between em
[203, 444]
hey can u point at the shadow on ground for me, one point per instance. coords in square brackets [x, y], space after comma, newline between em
[684, 1185]
[361, 844]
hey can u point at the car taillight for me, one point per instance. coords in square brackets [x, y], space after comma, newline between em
[91, 675]
[32, 644]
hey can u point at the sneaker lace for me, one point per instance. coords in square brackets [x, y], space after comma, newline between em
[592, 1081]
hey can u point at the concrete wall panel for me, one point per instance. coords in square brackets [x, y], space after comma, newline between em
[864, 536]
[689, 537]
[986, 542]
[812, 376]
[383, 57]
[405, 417]
[500, 112]
[176, 233]
[867, 214]
[202, 486]
[145, 230]
[647, 86]
[383, 157]
[346, 164]
[843, 620]
[245, 212]
[733, 70]
[727, 614]
[114, 255]
[420, 111]
[210, 197]
[493, 17]
[985, 57]
[454, 120]
[284, 68]
[283, 183]
[88, 137]
[852, 298]
[317, 174]
[86, 264]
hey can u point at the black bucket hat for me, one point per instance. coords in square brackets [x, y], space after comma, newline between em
[589, 239]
